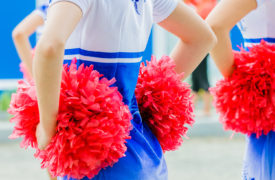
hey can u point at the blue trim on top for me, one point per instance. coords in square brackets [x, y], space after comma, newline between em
[258, 40]
[136, 5]
[106, 55]
[43, 8]
[86, 62]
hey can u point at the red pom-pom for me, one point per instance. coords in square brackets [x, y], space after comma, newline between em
[165, 102]
[26, 75]
[23, 69]
[246, 100]
[93, 124]
[24, 107]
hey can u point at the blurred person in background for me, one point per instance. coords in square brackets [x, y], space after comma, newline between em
[31, 24]
[199, 78]
[256, 22]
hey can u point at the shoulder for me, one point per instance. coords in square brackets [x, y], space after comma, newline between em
[84, 5]
[163, 8]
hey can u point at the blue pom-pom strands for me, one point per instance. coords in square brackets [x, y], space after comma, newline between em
[136, 5]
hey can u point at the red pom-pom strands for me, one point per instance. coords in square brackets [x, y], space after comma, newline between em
[165, 102]
[23, 69]
[246, 100]
[24, 108]
[93, 123]
[26, 75]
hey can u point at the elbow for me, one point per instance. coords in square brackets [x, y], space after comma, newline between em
[210, 38]
[216, 27]
[49, 48]
[18, 34]
[206, 39]
[219, 29]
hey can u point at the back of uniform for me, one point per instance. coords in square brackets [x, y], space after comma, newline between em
[259, 24]
[259, 163]
[112, 35]
[41, 11]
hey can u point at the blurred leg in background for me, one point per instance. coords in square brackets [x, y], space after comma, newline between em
[51, 178]
[200, 82]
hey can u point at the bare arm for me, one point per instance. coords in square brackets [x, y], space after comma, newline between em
[21, 35]
[222, 19]
[196, 38]
[61, 21]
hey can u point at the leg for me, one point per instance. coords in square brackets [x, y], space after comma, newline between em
[51, 178]
[204, 84]
[207, 98]
[195, 85]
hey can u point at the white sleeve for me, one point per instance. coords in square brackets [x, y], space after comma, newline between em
[261, 2]
[42, 11]
[84, 5]
[163, 8]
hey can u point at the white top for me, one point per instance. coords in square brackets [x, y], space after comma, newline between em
[113, 30]
[42, 12]
[259, 24]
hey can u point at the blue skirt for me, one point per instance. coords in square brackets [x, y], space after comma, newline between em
[144, 158]
[259, 163]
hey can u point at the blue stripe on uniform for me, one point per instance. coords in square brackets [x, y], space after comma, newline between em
[44, 8]
[258, 40]
[106, 55]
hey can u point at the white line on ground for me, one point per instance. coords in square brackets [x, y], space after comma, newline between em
[6, 126]
[8, 84]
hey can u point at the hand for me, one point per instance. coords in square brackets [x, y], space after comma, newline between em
[43, 138]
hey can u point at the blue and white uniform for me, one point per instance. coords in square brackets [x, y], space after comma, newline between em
[42, 12]
[259, 163]
[112, 35]
[259, 24]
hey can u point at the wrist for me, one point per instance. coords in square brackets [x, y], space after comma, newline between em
[47, 128]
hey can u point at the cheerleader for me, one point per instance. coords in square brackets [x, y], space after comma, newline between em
[32, 23]
[112, 36]
[256, 24]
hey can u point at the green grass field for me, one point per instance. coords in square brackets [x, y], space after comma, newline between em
[5, 98]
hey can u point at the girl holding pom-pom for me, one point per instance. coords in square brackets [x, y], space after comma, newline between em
[112, 36]
[249, 76]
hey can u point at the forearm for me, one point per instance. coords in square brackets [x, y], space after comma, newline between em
[196, 38]
[24, 50]
[222, 53]
[222, 19]
[47, 73]
[187, 56]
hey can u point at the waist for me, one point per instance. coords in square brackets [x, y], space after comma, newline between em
[103, 57]
[248, 42]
